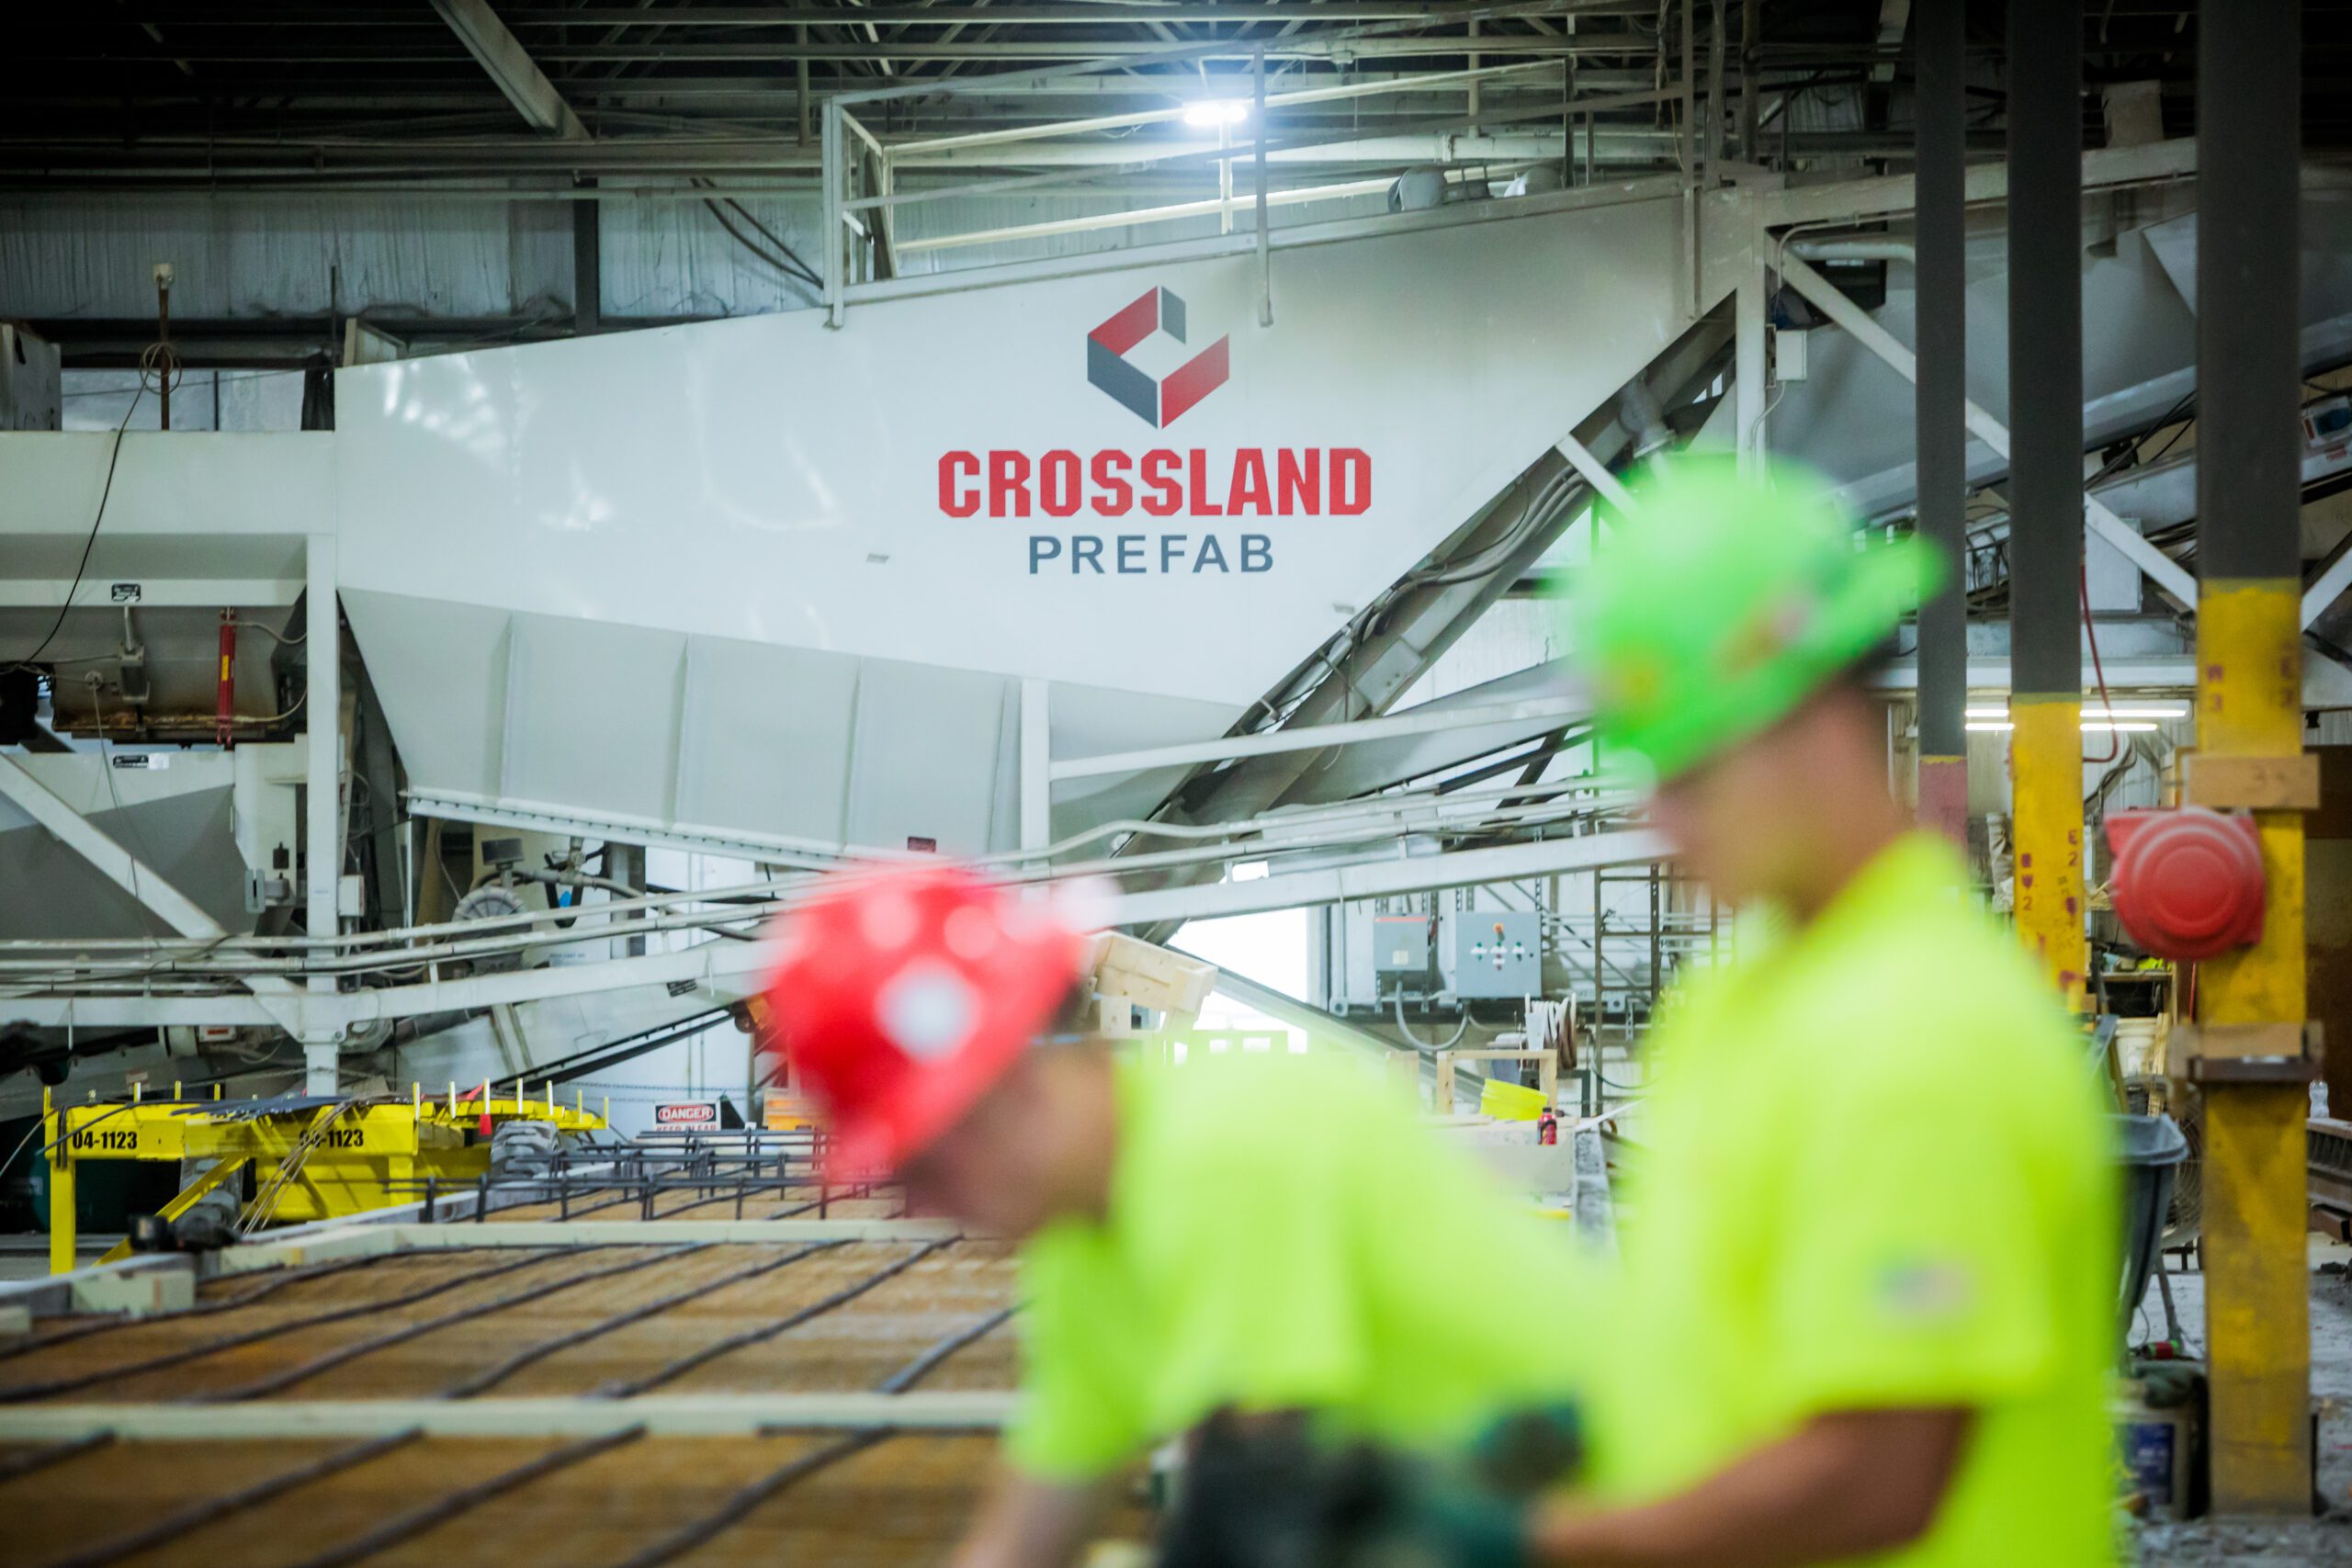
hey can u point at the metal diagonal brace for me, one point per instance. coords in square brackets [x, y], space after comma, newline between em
[223, 1168]
[94, 844]
[510, 65]
[2326, 589]
[2159, 567]
[1585, 461]
[155, 892]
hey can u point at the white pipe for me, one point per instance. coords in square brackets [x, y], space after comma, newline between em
[323, 808]
[1855, 250]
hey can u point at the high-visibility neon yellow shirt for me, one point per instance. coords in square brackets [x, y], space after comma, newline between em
[1284, 1232]
[1872, 1172]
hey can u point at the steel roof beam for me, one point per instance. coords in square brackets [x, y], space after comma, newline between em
[452, 90]
[1202, 13]
[511, 66]
[1302, 45]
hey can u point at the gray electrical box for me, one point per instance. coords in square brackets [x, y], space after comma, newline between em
[1400, 944]
[1496, 953]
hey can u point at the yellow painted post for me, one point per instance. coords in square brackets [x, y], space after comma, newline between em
[2258, 1302]
[2046, 779]
[608, 1111]
[453, 1099]
[57, 1132]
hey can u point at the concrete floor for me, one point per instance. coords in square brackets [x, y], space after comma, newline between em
[2266, 1545]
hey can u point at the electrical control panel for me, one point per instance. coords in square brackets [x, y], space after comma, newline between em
[1495, 953]
[1400, 945]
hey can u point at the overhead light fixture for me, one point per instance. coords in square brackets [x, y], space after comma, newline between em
[2100, 726]
[1210, 113]
[2144, 710]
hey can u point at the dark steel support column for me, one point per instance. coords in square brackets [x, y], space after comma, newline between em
[1938, 29]
[2045, 67]
[587, 265]
[2251, 1003]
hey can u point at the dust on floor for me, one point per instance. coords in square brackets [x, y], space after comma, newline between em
[2291, 1543]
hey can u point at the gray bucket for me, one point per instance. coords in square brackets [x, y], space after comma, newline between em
[2151, 1149]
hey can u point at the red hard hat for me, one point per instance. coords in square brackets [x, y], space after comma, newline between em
[901, 994]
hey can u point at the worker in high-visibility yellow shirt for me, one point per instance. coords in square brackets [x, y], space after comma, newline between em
[1868, 1299]
[1278, 1236]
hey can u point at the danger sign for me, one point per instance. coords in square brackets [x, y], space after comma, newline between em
[686, 1113]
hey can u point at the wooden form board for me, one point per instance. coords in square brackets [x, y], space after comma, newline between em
[363, 1240]
[700, 1415]
[1130, 973]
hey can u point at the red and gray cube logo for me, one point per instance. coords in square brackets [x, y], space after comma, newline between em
[1157, 402]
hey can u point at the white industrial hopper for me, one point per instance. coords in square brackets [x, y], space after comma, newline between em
[740, 584]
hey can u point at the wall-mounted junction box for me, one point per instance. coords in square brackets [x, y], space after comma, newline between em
[1789, 345]
[1495, 953]
[1400, 944]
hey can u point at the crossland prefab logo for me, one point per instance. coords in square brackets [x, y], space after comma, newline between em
[1160, 401]
[1249, 482]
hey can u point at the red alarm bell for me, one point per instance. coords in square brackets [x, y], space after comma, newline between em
[2188, 882]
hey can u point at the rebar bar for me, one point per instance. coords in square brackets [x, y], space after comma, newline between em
[24, 1392]
[425, 1516]
[802, 1466]
[733, 1342]
[489, 1377]
[302, 1371]
[172, 1526]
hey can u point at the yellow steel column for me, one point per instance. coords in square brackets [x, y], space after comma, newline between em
[2045, 548]
[55, 1131]
[2258, 1302]
[2046, 786]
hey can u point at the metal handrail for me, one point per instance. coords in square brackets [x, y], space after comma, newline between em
[844, 227]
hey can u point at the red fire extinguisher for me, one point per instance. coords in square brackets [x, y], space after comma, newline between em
[224, 712]
[1547, 1127]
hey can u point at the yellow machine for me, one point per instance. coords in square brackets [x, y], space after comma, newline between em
[310, 1160]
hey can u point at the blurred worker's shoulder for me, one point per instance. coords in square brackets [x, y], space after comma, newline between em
[1275, 1112]
[1241, 1103]
[1922, 991]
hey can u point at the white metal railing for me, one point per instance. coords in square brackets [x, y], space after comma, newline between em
[151, 967]
[863, 197]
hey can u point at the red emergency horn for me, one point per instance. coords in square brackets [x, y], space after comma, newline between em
[2188, 882]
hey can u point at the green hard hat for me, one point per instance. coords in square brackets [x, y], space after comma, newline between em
[1724, 601]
